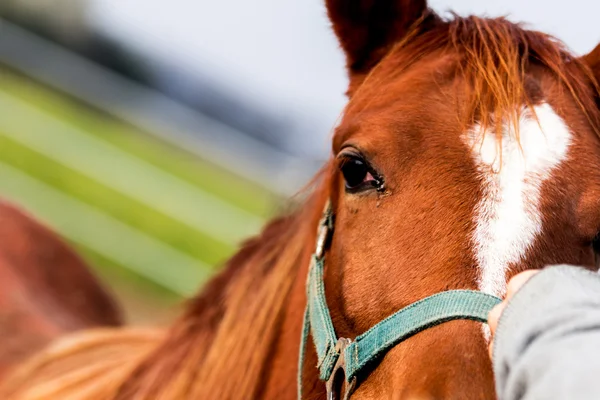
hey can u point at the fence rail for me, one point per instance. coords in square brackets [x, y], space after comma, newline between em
[153, 112]
[124, 172]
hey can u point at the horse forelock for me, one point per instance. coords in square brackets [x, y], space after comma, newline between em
[493, 56]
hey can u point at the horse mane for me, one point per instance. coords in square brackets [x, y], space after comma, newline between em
[494, 56]
[221, 344]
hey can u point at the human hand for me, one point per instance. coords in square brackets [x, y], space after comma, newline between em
[514, 285]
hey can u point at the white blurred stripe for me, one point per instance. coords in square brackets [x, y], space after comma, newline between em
[102, 233]
[153, 113]
[124, 172]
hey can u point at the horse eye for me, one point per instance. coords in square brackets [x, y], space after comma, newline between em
[356, 174]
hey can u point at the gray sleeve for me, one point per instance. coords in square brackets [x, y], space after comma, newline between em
[547, 343]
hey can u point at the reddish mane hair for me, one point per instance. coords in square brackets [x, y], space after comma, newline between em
[228, 330]
[493, 56]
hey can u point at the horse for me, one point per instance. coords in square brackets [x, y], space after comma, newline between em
[468, 152]
[47, 289]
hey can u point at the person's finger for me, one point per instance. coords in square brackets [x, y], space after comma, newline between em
[519, 280]
[494, 316]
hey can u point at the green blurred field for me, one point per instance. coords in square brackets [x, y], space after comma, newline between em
[70, 166]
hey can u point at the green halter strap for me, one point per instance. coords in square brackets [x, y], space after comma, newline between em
[335, 353]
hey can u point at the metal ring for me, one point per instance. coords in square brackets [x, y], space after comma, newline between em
[340, 366]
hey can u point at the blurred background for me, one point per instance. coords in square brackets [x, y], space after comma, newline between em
[154, 136]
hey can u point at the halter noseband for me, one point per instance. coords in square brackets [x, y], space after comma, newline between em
[351, 356]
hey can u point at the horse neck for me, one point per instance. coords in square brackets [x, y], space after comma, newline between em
[221, 346]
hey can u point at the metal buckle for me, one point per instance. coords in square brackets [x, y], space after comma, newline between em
[336, 382]
[322, 240]
[325, 229]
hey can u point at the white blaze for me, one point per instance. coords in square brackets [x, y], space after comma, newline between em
[508, 217]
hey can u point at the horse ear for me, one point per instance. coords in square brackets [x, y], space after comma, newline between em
[366, 29]
[592, 59]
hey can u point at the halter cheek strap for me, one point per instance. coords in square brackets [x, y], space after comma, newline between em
[351, 356]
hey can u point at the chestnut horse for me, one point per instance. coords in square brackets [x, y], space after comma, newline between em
[47, 290]
[468, 152]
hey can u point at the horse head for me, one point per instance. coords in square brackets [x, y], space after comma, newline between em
[468, 152]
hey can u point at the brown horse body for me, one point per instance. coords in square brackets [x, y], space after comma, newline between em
[468, 152]
[47, 290]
